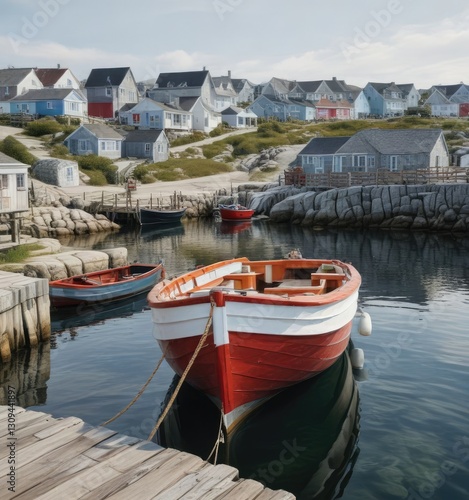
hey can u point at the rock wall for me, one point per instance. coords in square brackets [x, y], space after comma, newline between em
[43, 222]
[62, 265]
[442, 207]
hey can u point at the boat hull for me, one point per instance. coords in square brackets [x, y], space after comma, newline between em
[101, 287]
[152, 216]
[228, 214]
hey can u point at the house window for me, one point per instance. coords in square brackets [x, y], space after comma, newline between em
[371, 161]
[7, 90]
[49, 105]
[69, 82]
[147, 147]
[20, 182]
[69, 174]
[83, 145]
[136, 118]
[109, 91]
[117, 145]
[359, 161]
[103, 146]
[4, 181]
[393, 164]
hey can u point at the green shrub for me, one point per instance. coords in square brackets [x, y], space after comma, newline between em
[12, 147]
[214, 149]
[97, 178]
[98, 163]
[38, 128]
[61, 151]
[187, 139]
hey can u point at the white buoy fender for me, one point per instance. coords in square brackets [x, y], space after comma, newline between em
[357, 358]
[364, 325]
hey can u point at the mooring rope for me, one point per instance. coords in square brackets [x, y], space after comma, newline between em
[186, 371]
[218, 441]
[140, 392]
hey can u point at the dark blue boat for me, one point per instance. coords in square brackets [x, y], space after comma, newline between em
[160, 216]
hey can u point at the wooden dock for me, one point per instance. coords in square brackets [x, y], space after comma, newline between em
[42, 457]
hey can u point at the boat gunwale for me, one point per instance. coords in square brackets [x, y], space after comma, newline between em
[69, 282]
[155, 299]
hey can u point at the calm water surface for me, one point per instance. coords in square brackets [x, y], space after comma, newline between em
[397, 429]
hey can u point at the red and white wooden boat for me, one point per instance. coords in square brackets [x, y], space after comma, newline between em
[235, 212]
[275, 323]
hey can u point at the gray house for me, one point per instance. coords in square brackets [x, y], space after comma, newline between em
[61, 173]
[149, 144]
[97, 139]
[109, 89]
[372, 149]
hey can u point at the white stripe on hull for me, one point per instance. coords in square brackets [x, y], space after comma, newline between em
[254, 317]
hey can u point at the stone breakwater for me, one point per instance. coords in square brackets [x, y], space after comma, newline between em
[443, 207]
[53, 221]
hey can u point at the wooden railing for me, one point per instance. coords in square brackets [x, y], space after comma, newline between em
[379, 177]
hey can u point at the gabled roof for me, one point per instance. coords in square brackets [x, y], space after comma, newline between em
[103, 77]
[181, 79]
[102, 131]
[448, 90]
[47, 95]
[281, 86]
[238, 83]
[143, 135]
[13, 76]
[188, 103]
[50, 76]
[381, 87]
[8, 160]
[399, 142]
[323, 145]
[235, 110]
[437, 97]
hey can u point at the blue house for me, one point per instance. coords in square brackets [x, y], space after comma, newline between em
[282, 109]
[50, 102]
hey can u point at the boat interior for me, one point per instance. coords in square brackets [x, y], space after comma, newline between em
[281, 278]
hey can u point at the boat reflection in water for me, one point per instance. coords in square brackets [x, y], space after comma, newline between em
[304, 440]
[84, 315]
[234, 227]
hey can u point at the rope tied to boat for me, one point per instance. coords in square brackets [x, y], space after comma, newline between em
[140, 392]
[202, 340]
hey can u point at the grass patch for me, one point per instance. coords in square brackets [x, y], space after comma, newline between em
[187, 139]
[176, 169]
[19, 253]
[215, 149]
[13, 148]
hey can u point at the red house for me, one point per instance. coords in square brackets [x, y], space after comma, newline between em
[329, 110]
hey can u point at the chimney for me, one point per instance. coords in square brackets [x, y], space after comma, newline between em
[58, 66]
[229, 73]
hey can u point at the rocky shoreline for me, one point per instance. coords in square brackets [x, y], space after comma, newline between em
[442, 207]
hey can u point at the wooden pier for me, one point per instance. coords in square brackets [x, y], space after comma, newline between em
[42, 457]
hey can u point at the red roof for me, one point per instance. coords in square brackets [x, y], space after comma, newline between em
[50, 76]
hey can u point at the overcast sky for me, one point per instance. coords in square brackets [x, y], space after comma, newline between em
[425, 42]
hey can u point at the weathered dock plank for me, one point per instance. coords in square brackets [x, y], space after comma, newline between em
[67, 458]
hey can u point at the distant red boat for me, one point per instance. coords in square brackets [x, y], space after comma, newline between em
[235, 212]
[275, 323]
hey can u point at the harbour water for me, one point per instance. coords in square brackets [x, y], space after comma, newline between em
[396, 429]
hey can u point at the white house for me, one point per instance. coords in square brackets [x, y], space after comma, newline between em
[149, 114]
[239, 117]
[13, 191]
